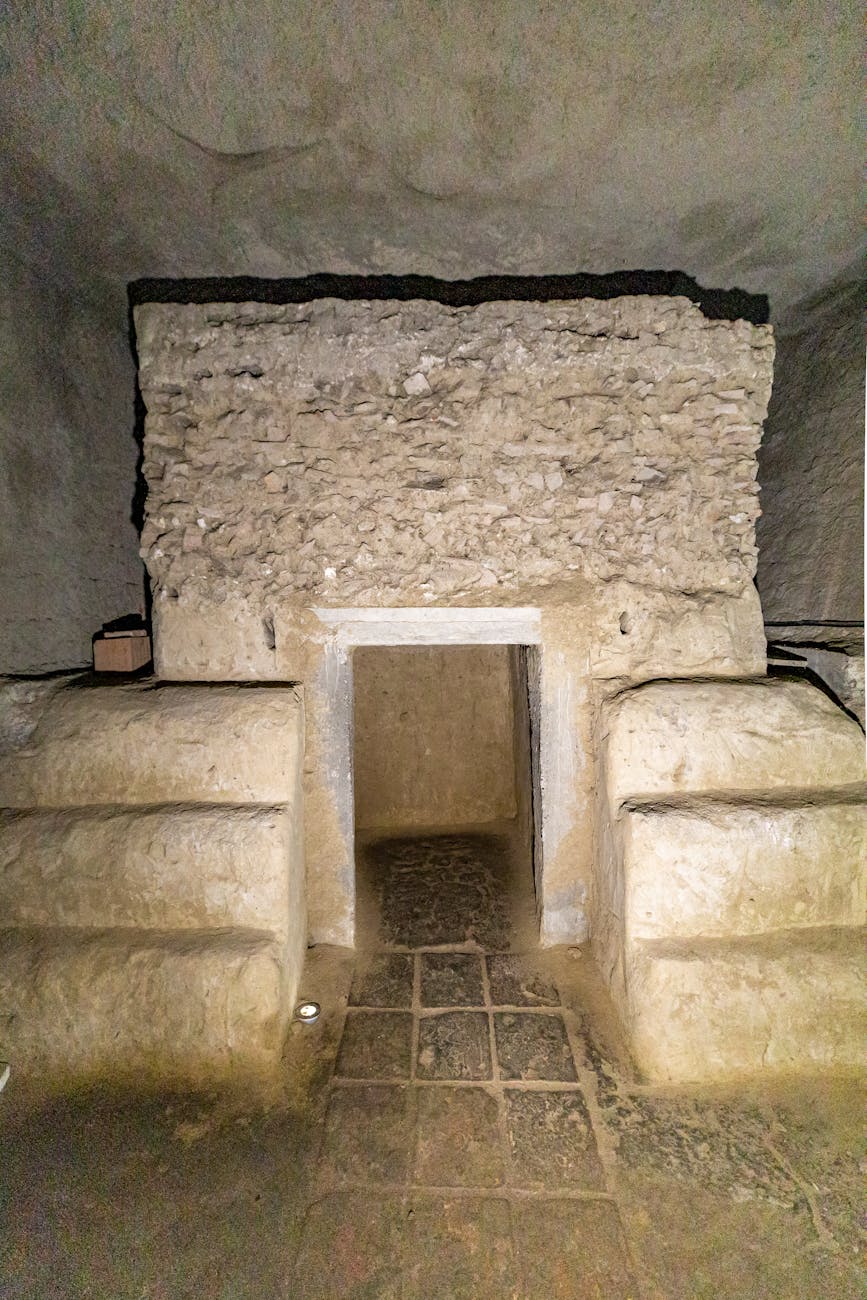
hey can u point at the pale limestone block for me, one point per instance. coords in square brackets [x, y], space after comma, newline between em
[147, 744]
[718, 870]
[234, 640]
[640, 633]
[185, 1007]
[171, 867]
[707, 1010]
[670, 738]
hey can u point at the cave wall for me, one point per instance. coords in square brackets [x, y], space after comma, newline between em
[433, 736]
[811, 468]
[68, 548]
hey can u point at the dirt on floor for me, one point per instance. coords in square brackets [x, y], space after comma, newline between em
[462, 1121]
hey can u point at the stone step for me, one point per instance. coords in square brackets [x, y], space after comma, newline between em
[668, 738]
[707, 1010]
[144, 743]
[706, 868]
[142, 1005]
[171, 867]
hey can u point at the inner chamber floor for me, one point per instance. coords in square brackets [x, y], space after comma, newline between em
[462, 1121]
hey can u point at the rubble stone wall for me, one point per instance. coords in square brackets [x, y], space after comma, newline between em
[397, 453]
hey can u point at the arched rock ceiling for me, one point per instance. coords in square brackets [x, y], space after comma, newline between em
[270, 138]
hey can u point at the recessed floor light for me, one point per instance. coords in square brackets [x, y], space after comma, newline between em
[307, 1012]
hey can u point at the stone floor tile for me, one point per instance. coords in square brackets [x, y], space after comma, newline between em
[724, 1146]
[375, 1045]
[369, 1133]
[454, 1045]
[533, 1047]
[515, 982]
[444, 889]
[572, 1250]
[351, 1247]
[458, 1141]
[383, 980]
[551, 1141]
[460, 1249]
[451, 979]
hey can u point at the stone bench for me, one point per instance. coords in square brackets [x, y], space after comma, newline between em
[729, 899]
[151, 879]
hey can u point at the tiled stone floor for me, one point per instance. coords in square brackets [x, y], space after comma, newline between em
[482, 1140]
[456, 1115]
[462, 1122]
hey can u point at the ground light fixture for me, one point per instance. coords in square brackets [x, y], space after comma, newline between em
[307, 1012]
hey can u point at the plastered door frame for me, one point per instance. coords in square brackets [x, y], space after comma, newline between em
[551, 723]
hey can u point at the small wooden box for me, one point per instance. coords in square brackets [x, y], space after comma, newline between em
[121, 652]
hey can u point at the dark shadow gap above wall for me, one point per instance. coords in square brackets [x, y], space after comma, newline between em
[716, 304]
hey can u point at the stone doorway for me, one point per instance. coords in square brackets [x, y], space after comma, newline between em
[516, 635]
[445, 759]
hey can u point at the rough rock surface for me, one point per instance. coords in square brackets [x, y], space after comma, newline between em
[429, 138]
[811, 531]
[673, 738]
[171, 867]
[142, 744]
[391, 453]
[729, 895]
[192, 1006]
[151, 879]
[67, 470]
[200, 141]
[701, 1011]
[716, 869]
[433, 736]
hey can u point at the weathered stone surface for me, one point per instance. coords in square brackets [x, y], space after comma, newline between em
[165, 938]
[672, 738]
[175, 867]
[191, 1007]
[551, 1141]
[454, 1045]
[67, 466]
[458, 1138]
[146, 744]
[731, 844]
[383, 980]
[391, 453]
[705, 1010]
[376, 1045]
[721, 869]
[433, 738]
[438, 146]
[451, 979]
[368, 1133]
[533, 1046]
[811, 532]
[842, 671]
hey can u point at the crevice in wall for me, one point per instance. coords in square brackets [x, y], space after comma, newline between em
[716, 304]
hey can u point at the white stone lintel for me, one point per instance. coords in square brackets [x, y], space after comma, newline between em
[480, 625]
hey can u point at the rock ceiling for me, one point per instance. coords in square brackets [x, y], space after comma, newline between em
[443, 138]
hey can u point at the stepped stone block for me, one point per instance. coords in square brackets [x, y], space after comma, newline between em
[163, 868]
[146, 1005]
[708, 1010]
[670, 738]
[149, 744]
[719, 869]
